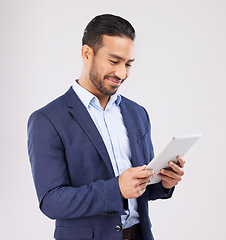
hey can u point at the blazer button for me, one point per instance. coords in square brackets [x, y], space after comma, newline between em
[118, 228]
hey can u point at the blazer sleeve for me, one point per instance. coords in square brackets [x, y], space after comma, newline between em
[155, 191]
[57, 198]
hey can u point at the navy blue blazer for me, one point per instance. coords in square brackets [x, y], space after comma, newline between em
[72, 171]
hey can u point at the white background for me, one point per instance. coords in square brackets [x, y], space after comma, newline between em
[178, 76]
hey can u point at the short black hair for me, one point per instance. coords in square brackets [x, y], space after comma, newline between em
[106, 24]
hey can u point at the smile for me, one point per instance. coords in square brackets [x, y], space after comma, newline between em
[113, 81]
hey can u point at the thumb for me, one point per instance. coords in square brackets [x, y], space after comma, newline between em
[141, 168]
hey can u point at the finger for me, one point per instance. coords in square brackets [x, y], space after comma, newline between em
[180, 161]
[176, 168]
[149, 172]
[169, 180]
[142, 191]
[140, 168]
[143, 185]
[146, 181]
[170, 174]
[144, 174]
[142, 181]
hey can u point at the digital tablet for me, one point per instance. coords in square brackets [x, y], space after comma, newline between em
[177, 146]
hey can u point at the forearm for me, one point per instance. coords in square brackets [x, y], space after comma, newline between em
[156, 191]
[98, 198]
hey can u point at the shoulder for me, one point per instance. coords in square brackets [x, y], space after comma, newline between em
[130, 103]
[134, 107]
[57, 107]
[51, 108]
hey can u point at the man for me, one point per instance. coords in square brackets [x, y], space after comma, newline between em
[89, 148]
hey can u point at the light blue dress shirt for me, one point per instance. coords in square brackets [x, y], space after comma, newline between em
[109, 123]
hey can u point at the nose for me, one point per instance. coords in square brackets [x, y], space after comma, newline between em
[121, 72]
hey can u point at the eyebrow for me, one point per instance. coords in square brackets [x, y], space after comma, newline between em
[120, 58]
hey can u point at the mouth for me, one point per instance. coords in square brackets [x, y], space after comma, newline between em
[114, 81]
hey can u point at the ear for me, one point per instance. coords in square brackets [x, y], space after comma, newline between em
[87, 53]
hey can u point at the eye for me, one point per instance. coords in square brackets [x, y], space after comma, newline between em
[114, 62]
[128, 65]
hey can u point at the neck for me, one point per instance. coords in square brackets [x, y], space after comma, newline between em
[103, 101]
[103, 98]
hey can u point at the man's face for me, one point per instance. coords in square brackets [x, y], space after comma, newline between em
[111, 64]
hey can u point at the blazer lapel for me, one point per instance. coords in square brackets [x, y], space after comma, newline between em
[83, 118]
[127, 114]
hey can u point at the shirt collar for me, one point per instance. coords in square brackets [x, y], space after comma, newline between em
[87, 97]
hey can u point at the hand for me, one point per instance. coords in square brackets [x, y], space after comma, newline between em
[133, 181]
[172, 177]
